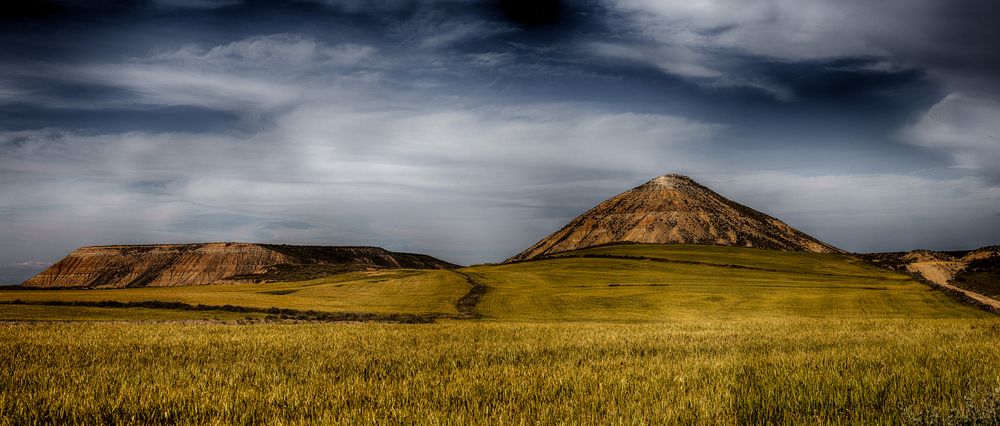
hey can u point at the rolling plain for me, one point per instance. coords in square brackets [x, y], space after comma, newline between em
[619, 334]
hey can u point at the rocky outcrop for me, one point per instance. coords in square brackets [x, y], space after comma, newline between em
[921, 255]
[674, 209]
[983, 253]
[165, 265]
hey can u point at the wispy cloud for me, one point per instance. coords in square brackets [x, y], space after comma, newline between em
[31, 264]
[172, 86]
[257, 73]
[289, 52]
[904, 34]
[677, 60]
[966, 127]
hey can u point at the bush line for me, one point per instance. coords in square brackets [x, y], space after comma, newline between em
[272, 312]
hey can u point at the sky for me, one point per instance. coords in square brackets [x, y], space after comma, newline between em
[469, 130]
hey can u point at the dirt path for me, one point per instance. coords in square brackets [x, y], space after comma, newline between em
[467, 304]
[941, 272]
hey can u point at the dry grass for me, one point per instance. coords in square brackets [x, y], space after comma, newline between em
[688, 283]
[708, 372]
[396, 291]
[782, 338]
[91, 313]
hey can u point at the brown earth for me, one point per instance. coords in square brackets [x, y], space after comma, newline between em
[981, 273]
[674, 209]
[943, 274]
[936, 272]
[975, 273]
[164, 265]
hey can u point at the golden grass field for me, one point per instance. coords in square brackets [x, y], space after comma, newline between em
[684, 335]
[390, 291]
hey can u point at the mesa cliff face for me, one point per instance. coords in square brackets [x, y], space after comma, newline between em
[166, 265]
[674, 209]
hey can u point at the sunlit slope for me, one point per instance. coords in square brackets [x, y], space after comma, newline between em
[620, 283]
[814, 263]
[634, 283]
[394, 291]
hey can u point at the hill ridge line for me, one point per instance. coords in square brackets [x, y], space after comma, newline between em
[677, 261]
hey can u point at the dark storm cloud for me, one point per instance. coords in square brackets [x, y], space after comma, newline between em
[541, 13]
[469, 129]
[957, 39]
[28, 9]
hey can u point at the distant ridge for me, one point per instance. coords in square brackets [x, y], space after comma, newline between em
[168, 265]
[674, 209]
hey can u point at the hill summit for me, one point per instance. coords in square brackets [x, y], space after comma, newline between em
[674, 209]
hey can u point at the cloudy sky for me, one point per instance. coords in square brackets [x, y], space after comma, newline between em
[469, 130]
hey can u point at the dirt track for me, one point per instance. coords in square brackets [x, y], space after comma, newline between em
[467, 304]
[941, 272]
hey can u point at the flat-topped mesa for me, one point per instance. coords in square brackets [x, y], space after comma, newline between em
[674, 209]
[167, 265]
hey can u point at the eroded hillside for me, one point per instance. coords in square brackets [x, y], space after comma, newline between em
[674, 209]
[164, 265]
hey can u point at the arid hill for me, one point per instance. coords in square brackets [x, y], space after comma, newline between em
[976, 270]
[981, 273]
[914, 256]
[898, 260]
[982, 253]
[674, 209]
[943, 265]
[164, 265]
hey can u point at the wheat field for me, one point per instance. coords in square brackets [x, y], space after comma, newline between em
[715, 372]
[618, 335]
